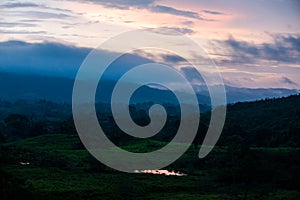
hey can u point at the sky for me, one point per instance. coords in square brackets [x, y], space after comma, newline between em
[255, 43]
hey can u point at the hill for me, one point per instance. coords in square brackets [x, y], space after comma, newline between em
[257, 157]
[269, 122]
[15, 86]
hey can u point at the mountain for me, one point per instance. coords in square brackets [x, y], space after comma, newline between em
[15, 86]
[235, 94]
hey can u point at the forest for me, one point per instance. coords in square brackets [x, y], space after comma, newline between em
[257, 156]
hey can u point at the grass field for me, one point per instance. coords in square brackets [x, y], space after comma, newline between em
[60, 169]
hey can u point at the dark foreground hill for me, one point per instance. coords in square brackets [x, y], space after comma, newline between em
[257, 157]
[270, 122]
[264, 123]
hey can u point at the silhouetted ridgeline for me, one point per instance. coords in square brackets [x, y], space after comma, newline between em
[268, 123]
[59, 89]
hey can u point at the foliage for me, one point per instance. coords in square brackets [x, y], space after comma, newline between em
[257, 157]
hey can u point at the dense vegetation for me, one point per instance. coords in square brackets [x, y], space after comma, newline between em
[257, 156]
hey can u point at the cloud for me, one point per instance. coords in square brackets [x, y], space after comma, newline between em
[149, 5]
[241, 46]
[50, 58]
[212, 12]
[192, 75]
[44, 58]
[188, 23]
[123, 4]
[292, 41]
[180, 30]
[128, 21]
[44, 15]
[35, 15]
[22, 32]
[57, 59]
[161, 56]
[31, 5]
[173, 11]
[16, 24]
[19, 5]
[288, 81]
[170, 58]
[285, 48]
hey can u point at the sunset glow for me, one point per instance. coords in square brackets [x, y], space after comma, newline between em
[255, 43]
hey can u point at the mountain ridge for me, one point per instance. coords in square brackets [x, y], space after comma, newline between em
[14, 86]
